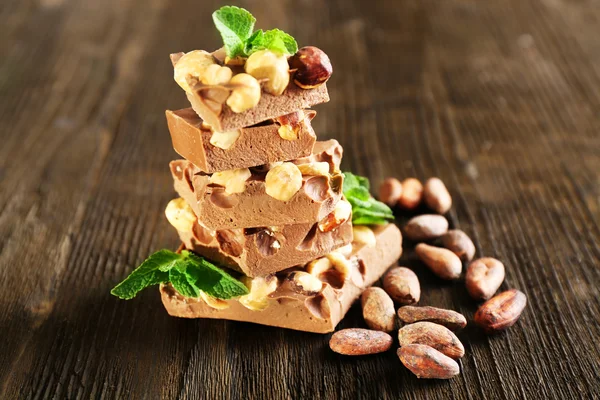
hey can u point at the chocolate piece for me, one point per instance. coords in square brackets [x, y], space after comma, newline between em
[269, 106]
[217, 210]
[254, 146]
[266, 250]
[302, 308]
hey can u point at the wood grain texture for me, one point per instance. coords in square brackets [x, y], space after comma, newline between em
[499, 99]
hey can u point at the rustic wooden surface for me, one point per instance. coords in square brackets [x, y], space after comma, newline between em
[500, 99]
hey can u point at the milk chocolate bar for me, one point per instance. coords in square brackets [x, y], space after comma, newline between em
[293, 300]
[254, 207]
[269, 106]
[266, 250]
[285, 138]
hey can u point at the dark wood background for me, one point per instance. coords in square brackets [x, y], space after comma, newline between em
[501, 99]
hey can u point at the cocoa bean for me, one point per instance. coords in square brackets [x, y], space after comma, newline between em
[426, 227]
[442, 262]
[459, 243]
[501, 311]
[378, 309]
[450, 319]
[437, 336]
[390, 191]
[426, 362]
[358, 342]
[402, 285]
[412, 194]
[484, 277]
[436, 196]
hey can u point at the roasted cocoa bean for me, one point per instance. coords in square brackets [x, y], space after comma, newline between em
[412, 194]
[378, 309]
[437, 336]
[358, 342]
[484, 277]
[459, 243]
[402, 285]
[390, 191]
[426, 362]
[426, 227]
[501, 311]
[436, 196]
[450, 319]
[442, 262]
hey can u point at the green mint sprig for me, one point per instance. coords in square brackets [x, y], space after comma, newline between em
[365, 209]
[236, 26]
[188, 273]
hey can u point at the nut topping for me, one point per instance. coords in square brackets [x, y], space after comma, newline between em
[283, 181]
[340, 214]
[264, 64]
[260, 288]
[312, 67]
[193, 63]
[180, 215]
[304, 283]
[245, 93]
[224, 140]
[363, 236]
[233, 180]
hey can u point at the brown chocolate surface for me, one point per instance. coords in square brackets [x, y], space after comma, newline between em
[255, 146]
[217, 210]
[266, 250]
[315, 312]
[269, 106]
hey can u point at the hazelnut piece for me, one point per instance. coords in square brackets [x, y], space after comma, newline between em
[312, 66]
[265, 64]
[180, 215]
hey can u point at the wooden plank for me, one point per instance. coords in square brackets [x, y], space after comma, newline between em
[499, 99]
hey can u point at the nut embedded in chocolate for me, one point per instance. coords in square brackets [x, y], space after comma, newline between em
[312, 66]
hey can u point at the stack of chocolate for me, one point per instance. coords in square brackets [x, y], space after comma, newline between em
[259, 195]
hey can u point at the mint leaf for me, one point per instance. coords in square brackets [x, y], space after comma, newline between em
[187, 272]
[275, 40]
[179, 279]
[152, 272]
[211, 279]
[366, 210]
[235, 26]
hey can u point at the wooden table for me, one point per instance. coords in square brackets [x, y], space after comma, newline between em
[500, 99]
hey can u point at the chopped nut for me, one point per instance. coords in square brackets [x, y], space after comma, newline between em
[191, 64]
[304, 283]
[224, 140]
[290, 125]
[180, 215]
[340, 264]
[346, 250]
[314, 168]
[363, 236]
[213, 302]
[216, 75]
[264, 64]
[283, 181]
[340, 214]
[318, 266]
[260, 288]
[233, 180]
[245, 93]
